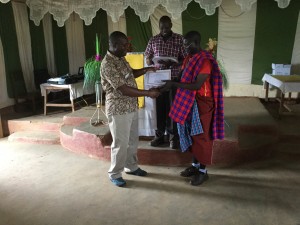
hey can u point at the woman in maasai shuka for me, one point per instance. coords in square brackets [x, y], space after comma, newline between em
[198, 106]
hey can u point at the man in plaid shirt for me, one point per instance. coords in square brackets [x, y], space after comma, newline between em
[199, 94]
[166, 43]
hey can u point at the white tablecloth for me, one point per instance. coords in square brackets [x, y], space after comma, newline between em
[147, 117]
[284, 86]
[76, 89]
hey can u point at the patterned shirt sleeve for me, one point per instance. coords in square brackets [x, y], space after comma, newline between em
[113, 76]
[149, 49]
[183, 53]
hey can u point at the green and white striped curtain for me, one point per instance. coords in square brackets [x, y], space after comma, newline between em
[248, 43]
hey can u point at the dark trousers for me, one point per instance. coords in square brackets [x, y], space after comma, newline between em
[164, 122]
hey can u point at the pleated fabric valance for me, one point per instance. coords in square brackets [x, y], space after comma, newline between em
[86, 9]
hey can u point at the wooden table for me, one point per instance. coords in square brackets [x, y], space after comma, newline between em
[75, 90]
[285, 83]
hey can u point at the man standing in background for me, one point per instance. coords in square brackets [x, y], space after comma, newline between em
[170, 44]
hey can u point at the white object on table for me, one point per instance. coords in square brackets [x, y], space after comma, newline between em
[75, 89]
[283, 86]
[147, 114]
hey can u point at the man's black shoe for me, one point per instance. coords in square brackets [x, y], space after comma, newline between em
[190, 171]
[174, 144]
[139, 172]
[199, 178]
[157, 141]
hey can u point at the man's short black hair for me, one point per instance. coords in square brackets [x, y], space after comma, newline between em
[193, 35]
[165, 19]
[115, 36]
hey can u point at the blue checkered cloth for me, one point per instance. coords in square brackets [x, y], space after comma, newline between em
[190, 128]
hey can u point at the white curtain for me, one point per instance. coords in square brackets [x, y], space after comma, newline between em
[4, 99]
[61, 9]
[296, 51]
[236, 41]
[75, 42]
[159, 12]
[48, 34]
[24, 43]
[118, 26]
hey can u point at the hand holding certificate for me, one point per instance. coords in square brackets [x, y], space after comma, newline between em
[157, 78]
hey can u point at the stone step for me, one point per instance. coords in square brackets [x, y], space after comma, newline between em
[85, 139]
[15, 126]
[36, 122]
[95, 142]
[84, 115]
[250, 134]
[38, 137]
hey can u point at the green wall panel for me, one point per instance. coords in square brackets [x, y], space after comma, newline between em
[139, 32]
[60, 49]
[37, 45]
[194, 18]
[11, 50]
[98, 26]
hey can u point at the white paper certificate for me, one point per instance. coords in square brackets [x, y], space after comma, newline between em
[156, 78]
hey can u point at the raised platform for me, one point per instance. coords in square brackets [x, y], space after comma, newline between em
[249, 131]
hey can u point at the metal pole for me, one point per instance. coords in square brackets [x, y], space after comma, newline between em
[98, 121]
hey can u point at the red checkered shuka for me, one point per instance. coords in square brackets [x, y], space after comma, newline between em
[184, 98]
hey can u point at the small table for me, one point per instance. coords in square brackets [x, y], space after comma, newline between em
[285, 83]
[76, 91]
